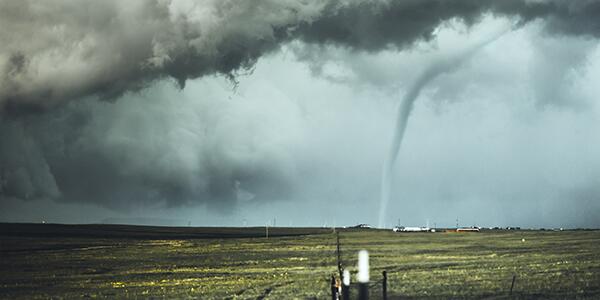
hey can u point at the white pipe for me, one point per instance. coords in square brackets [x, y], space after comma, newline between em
[363, 266]
[346, 278]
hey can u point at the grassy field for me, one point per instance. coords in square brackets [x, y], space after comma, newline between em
[59, 261]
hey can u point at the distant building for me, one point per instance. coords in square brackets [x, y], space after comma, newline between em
[362, 226]
[412, 229]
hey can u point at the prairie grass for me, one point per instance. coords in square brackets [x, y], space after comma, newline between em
[546, 264]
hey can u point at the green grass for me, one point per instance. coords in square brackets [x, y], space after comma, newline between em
[419, 265]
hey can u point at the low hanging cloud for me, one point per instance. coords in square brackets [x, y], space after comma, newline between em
[175, 151]
[58, 57]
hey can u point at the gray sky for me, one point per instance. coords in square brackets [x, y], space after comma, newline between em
[233, 113]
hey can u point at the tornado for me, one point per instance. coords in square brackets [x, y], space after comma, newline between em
[444, 64]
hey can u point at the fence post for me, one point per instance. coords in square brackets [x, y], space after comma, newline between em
[346, 285]
[384, 284]
[339, 254]
[512, 285]
[363, 275]
[333, 289]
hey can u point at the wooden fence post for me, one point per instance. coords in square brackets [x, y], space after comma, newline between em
[384, 285]
[334, 290]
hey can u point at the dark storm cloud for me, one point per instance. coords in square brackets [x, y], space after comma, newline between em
[375, 25]
[55, 52]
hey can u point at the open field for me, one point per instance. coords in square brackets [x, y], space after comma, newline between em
[60, 261]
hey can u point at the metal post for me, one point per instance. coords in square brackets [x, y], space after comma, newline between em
[346, 285]
[363, 275]
[384, 285]
[339, 254]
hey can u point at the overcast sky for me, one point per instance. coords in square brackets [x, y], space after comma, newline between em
[254, 112]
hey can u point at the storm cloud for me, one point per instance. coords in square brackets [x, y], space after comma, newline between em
[63, 64]
[60, 50]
